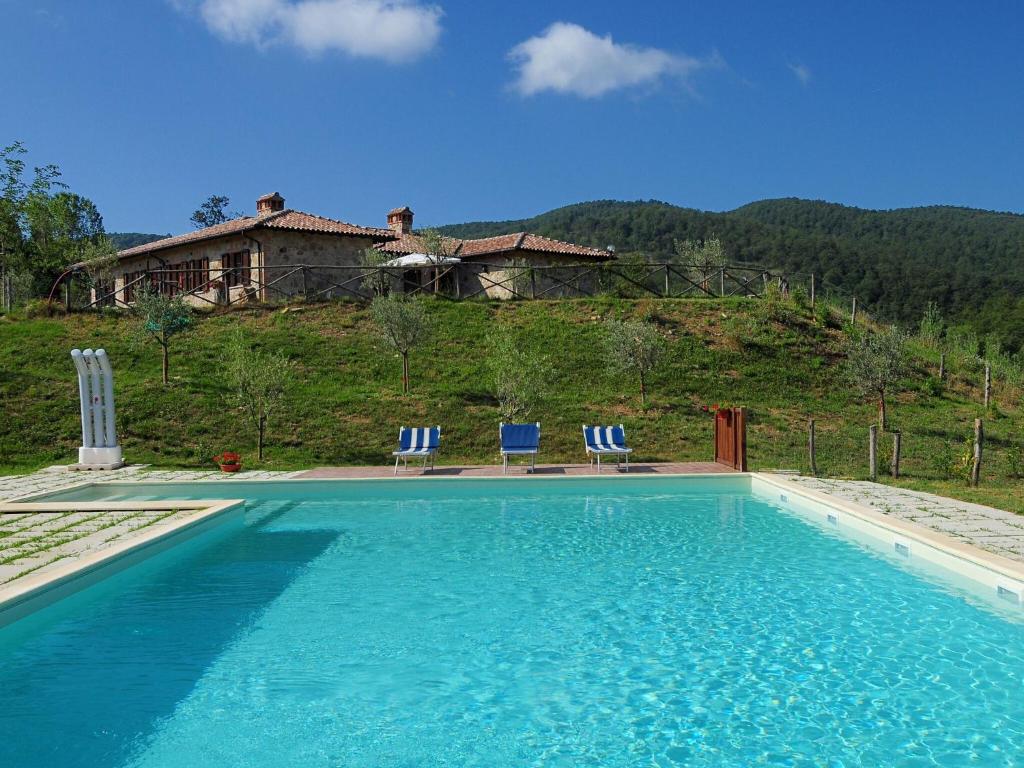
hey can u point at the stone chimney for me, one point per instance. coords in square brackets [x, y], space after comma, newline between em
[400, 220]
[271, 203]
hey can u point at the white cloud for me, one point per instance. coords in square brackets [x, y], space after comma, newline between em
[566, 58]
[801, 72]
[392, 30]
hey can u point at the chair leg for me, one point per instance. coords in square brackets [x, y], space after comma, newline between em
[599, 463]
[627, 462]
[504, 463]
[397, 459]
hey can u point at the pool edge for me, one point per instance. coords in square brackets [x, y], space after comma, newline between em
[22, 598]
[994, 572]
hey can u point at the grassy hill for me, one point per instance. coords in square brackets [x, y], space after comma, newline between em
[970, 262]
[347, 405]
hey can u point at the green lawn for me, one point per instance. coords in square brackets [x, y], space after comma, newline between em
[347, 405]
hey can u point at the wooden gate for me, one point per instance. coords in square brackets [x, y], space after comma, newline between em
[731, 438]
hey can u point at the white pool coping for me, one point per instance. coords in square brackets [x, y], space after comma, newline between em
[996, 578]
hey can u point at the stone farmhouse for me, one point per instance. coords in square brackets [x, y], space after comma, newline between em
[254, 258]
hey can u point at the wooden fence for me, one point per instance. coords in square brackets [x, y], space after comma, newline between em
[460, 282]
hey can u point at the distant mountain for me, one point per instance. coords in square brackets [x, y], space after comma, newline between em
[970, 262]
[123, 240]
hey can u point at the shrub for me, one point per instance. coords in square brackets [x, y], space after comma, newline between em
[43, 308]
[933, 386]
[1014, 462]
[948, 460]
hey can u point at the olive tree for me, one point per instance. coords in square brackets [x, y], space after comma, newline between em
[518, 378]
[438, 249]
[260, 380]
[875, 363]
[702, 257]
[376, 278]
[162, 318]
[635, 347]
[403, 324]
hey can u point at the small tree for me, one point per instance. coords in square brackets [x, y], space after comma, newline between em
[635, 347]
[518, 378]
[212, 211]
[99, 263]
[875, 363]
[932, 325]
[438, 249]
[163, 317]
[703, 257]
[261, 380]
[376, 279]
[403, 324]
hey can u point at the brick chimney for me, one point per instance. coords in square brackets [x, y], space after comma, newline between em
[271, 203]
[400, 220]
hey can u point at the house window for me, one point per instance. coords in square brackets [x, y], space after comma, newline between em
[236, 268]
[104, 290]
[130, 284]
[193, 275]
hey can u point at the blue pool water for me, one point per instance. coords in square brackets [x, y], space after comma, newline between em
[650, 622]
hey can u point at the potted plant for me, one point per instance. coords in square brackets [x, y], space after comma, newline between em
[228, 461]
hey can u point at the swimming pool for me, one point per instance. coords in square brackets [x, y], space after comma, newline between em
[618, 622]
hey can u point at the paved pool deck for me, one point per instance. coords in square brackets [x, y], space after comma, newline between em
[990, 529]
[33, 543]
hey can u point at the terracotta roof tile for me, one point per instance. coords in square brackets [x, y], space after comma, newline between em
[410, 243]
[525, 241]
[288, 219]
[308, 222]
[469, 249]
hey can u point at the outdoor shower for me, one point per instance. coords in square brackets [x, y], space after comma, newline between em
[96, 393]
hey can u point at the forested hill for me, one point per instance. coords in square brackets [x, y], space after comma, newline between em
[123, 240]
[893, 261]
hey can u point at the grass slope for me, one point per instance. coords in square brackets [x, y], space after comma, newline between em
[347, 405]
[894, 261]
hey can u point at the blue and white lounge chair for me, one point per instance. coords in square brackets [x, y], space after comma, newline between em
[416, 442]
[519, 440]
[606, 441]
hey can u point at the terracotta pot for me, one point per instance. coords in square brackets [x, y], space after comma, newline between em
[228, 461]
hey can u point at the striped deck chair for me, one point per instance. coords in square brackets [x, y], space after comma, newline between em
[519, 440]
[606, 441]
[417, 442]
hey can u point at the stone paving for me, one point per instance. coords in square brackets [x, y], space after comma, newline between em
[993, 530]
[39, 541]
[58, 478]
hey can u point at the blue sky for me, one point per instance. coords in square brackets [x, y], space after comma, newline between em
[470, 110]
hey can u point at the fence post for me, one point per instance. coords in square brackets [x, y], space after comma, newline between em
[988, 385]
[305, 283]
[810, 447]
[812, 290]
[942, 366]
[897, 440]
[873, 451]
[853, 312]
[979, 440]
[666, 282]
[721, 282]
